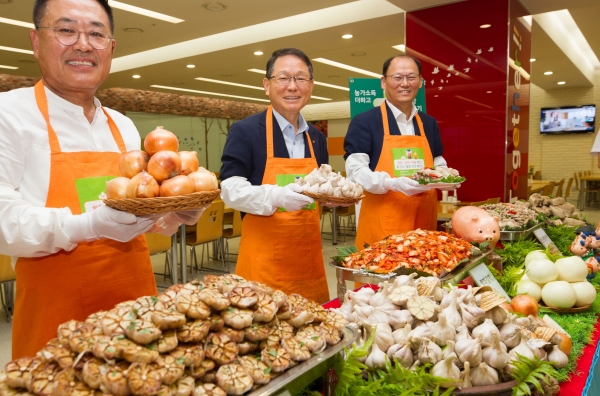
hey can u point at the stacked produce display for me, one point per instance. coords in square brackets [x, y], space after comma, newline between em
[222, 336]
[324, 182]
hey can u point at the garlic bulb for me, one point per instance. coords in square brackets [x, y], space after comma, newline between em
[429, 352]
[469, 351]
[521, 348]
[448, 298]
[337, 192]
[383, 335]
[442, 331]
[326, 189]
[558, 357]
[452, 315]
[494, 355]
[510, 335]
[400, 318]
[313, 189]
[537, 347]
[362, 312]
[486, 329]
[401, 294]
[376, 359]
[465, 376]
[449, 350]
[401, 335]
[446, 369]
[498, 315]
[406, 280]
[381, 297]
[403, 354]
[483, 375]
[387, 308]
[377, 317]
[462, 333]
[523, 322]
[363, 296]
[418, 334]
[472, 315]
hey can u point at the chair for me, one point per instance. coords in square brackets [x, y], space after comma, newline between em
[159, 244]
[536, 191]
[568, 190]
[537, 175]
[548, 189]
[324, 210]
[7, 283]
[346, 222]
[235, 219]
[587, 173]
[576, 181]
[208, 229]
[559, 189]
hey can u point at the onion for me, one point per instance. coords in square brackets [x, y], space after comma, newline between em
[142, 185]
[133, 162]
[204, 180]
[572, 269]
[525, 304]
[117, 188]
[559, 294]
[178, 185]
[160, 139]
[164, 165]
[566, 345]
[536, 254]
[189, 162]
[529, 287]
[585, 292]
[507, 307]
[541, 271]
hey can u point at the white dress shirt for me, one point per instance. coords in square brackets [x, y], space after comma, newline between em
[28, 229]
[294, 140]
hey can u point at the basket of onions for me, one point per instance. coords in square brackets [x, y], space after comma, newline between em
[160, 179]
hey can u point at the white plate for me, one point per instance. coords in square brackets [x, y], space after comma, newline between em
[442, 185]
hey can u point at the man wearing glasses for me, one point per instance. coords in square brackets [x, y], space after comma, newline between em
[381, 145]
[59, 146]
[281, 239]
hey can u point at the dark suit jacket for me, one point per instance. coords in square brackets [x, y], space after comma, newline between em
[365, 134]
[245, 152]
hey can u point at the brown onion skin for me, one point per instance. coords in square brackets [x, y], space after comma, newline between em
[507, 307]
[142, 185]
[164, 165]
[525, 304]
[133, 162]
[117, 188]
[204, 180]
[189, 162]
[160, 139]
[178, 185]
[566, 345]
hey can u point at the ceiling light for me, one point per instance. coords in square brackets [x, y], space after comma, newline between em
[136, 76]
[400, 47]
[213, 6]
[8, 67]
[229, 83]
[347, 67]
[16, 50]
[258, 52]
[347, 36]
[532, 60]
[485, 26]
[143, 11]
[435, 96]
[319, 97]
[255, 71]
[207, 93]
[133, 30]
[190, 66]
[358, 54]
[17, 23]
[561, 83]
[489, 92]
[548, 73]
[316, 82]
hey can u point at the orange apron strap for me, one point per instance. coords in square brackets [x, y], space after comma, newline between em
[42, 104]
[384, 117]
[269, 133]
[115, 132]
[310, 146]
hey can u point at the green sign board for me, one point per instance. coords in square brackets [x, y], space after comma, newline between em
[366, 93]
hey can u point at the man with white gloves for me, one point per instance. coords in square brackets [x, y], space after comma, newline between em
[72, 255]
[387, 144]
[281, 238]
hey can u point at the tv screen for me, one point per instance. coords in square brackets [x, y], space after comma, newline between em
[570, 119]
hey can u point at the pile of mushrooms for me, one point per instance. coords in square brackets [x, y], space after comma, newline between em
[466, 334]
[222, 336]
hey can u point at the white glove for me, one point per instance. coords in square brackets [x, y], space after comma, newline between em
[405, 185]
[169, 223]
[288, 198]
[106, 222]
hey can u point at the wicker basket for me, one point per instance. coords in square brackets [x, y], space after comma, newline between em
[566, 310]
[145, 206]
[330, 200]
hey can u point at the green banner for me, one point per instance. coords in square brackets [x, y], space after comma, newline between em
[420, 99]
[285, 179]
[366, 93]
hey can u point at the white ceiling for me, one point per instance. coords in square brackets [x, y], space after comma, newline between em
[221, 43]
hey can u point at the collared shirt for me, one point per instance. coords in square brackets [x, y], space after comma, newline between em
[404, 124]
[294, 140]
[28, 229]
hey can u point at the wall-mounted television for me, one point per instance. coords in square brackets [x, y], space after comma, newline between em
[568, 119]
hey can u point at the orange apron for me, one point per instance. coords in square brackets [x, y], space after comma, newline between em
[95, 275]
[284, 250]
[394, 212]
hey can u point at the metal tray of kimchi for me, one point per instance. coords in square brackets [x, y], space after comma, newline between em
[299, 377]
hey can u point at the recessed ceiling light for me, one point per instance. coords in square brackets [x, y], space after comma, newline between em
[258, 52]
[561, 83]
[136, 76]
[532, 60]
[400, 47]
[229, 83]
[23, 51]
[133, 30]
[208, 93]
[347, 36]
[489, 92]
[435, 96]
[8, 67]
[214, 6]
[143, 11]
[358, 54]
[15, 22]
[316, 82]
[319, 97]
[548, 73]
[190, 66]
[347, 67]
[485, 26]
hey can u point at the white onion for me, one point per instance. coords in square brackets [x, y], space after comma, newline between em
[572, 269]
[535, 255]
[541, 271]
[585, 291]
[529, 287]
[559, 294]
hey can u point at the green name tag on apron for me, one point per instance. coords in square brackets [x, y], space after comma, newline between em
[407, 160]
[284, 180]
[91, 191]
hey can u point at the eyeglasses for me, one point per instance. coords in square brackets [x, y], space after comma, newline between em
[69, 36]
[410, 78]
[285, 80]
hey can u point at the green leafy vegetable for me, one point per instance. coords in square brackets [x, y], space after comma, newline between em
[531, 372]
[509, 277]
[343, 252]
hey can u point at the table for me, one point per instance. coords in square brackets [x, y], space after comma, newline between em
[446, 210]
[583, 181]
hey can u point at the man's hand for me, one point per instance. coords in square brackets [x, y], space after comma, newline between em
[405, 185]
[288, 197]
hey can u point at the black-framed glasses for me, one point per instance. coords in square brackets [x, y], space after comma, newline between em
[410, 78]
[285, 80]
[69, 36]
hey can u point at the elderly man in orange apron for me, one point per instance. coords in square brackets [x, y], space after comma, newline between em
[281, 238]
[74, 256]
[378, 140]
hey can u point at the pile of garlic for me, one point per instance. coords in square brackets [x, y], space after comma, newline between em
[326, 182]
[464, 333]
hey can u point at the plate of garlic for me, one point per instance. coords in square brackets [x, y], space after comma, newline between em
[329, 188]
